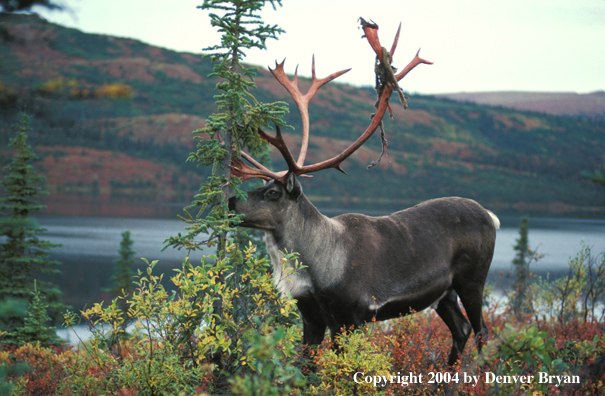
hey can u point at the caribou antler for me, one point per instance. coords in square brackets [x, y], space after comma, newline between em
[302, 101]
[388, 82]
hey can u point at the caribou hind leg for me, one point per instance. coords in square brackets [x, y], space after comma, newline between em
[472, 300]
[449, 311]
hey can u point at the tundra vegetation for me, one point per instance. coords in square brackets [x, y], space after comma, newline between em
[225, 329]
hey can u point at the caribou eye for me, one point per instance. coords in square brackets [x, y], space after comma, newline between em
[272, 195]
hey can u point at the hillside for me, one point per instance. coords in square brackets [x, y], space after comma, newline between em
[590, 105]
[113, 122]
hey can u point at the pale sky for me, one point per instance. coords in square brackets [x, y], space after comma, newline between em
[477, 45]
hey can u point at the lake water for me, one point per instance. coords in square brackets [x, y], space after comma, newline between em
[101, 237]
[90, 246]
[557, 239]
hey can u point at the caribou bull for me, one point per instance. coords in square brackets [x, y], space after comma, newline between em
[359, 268]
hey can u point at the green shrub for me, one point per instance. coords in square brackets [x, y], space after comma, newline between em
[342, 371]
[577, 296]
[173, 337]
[522, 352]
[270, 373]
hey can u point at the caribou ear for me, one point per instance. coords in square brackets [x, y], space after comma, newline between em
[293, 186]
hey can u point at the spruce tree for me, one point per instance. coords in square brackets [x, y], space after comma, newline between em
[35, 329]
[521, 267]
[233, 127]
[23, 255]
[123, 273]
